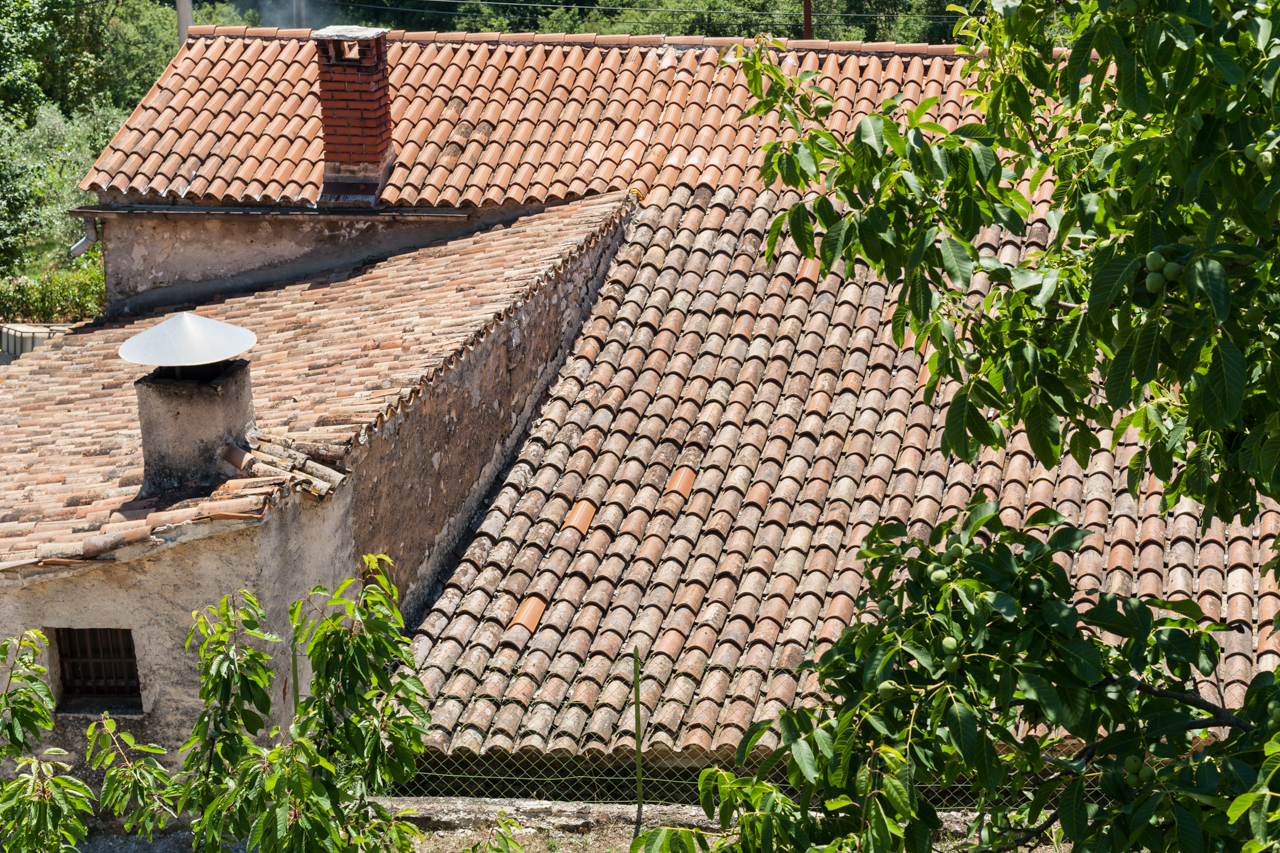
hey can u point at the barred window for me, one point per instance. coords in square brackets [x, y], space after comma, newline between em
[99, 667]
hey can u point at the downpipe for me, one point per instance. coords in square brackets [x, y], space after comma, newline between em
[90, 237]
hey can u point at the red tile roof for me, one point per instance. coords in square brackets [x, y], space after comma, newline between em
[722, 439]
[70, 455]
[484, 118]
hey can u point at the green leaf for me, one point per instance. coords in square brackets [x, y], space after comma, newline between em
[1072, 812]
[1043, 693]
[957, 263]
[1043, 430]
[1241, 804]
[1003, 604]
[1081, 658]
[896, 793]
[802, 753]
[1209, 276]
[1228, 68]
[1110, 281]
[1225, 379]
[801, 229]
[834, 242]
[1119, 383]
[963, 728]
[1146, 352]
[871, 132]
[1190, 836]
[1108, 618]
[954, 433]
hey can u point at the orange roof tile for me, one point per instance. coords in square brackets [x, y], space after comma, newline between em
[482, 118]
[70, 454]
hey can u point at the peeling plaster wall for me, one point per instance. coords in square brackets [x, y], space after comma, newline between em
[421, 479]
[153, 260]
[297, 546]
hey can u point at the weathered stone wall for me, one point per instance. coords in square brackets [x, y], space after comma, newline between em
[152, 260]
[421, 478]
[298, 545]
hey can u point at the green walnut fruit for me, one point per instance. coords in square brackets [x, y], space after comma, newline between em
[1187, 239]
[1272, 707]
[949, 645]
[1253, 316]
[1104, 129]
[1251, 152]
[893, 611]
[1132, 764]
[972, 363]
[1155, 261]
[939, 577]
[1172, 271]
[1133, 167]
[951, 556]
[1128, 8]
[1026, 13]
[888, 690]
[1146, 774]
[1266, 162]
[1155, 282]
[1132, 780]
[884, 604]
[951, 663]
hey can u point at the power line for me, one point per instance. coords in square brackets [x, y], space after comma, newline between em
[872, 15]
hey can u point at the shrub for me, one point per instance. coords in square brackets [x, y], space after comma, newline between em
[60, 294]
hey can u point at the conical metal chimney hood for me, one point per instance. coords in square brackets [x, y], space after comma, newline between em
[187, 339]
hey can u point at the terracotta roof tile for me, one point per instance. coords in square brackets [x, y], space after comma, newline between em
[720, 442]
[482, 118]
[69, 493]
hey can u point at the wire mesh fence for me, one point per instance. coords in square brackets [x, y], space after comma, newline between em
[598, 778]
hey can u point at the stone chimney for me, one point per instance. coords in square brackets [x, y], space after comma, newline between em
[187, 417]
[198, 401]
[355, 109]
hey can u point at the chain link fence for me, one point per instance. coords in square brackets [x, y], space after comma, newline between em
[612, 779]
[598, 777]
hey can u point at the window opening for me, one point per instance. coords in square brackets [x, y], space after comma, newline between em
[99, 669]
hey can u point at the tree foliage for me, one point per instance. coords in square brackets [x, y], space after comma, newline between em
[1154, 302]
[975, 671]
[311, 784]
[1153, 306]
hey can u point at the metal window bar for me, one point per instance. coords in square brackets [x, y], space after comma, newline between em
[97, 662]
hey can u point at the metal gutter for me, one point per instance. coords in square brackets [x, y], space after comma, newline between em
[166, 211]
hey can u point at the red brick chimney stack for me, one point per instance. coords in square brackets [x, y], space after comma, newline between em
[355, 109]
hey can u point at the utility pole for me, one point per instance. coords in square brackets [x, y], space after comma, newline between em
[808, 19]
[185, 20]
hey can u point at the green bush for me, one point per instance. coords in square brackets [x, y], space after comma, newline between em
[60, 294]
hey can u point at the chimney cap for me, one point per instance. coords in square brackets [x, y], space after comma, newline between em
[187, 339]
[348, 33]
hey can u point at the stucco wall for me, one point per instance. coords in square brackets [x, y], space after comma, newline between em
[420, 480]
[299, 544]
[152, 260]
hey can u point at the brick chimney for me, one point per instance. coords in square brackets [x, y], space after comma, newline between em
[355, 109]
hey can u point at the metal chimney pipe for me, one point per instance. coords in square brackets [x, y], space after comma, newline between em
[185, 20]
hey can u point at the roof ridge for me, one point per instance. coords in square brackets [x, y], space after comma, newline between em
[596, 39]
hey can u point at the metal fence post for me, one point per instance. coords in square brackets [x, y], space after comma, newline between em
[635, 660]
